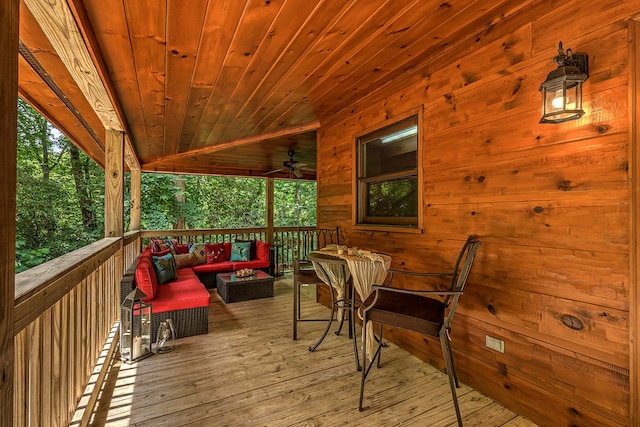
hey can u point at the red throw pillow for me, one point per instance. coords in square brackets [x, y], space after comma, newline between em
[146, 278]
[215, 253]
[180, 248]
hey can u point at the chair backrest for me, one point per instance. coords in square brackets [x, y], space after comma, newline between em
[304, 273]
[461, 274]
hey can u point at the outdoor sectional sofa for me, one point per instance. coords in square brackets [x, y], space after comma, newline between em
[182, 295]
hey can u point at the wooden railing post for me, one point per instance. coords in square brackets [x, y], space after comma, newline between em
[8, 152]
[270, 200]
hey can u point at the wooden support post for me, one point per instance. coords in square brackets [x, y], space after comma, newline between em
[114, 185]
[8, 154]
[136, 197]
[270, 199]
[634, 246]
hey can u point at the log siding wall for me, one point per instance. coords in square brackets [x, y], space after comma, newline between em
[550, 202]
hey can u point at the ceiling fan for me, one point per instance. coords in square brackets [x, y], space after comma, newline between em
[291, 165]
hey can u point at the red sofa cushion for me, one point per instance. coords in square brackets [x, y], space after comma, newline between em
[218, 267]
[254, 263]
[146, 278]
[186, 273]
[181, 294]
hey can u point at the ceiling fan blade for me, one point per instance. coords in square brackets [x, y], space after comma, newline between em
[273, 171]
[297, 173]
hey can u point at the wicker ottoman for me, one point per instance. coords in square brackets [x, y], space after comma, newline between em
[234, 289]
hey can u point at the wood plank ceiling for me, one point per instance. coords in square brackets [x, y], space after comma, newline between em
[229, 86]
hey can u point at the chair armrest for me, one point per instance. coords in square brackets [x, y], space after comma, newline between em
[417, 273]
[415, 292]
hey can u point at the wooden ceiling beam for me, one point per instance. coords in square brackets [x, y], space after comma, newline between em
[230, 144]
[80, 15]
[58, 23]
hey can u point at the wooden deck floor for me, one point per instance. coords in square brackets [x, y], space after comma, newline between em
[249, 372]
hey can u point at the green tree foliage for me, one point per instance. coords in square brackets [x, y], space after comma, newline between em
[60, 197]
[222, 202]
[294, 203]
[49, 221]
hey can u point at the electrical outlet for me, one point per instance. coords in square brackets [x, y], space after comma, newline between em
[495, 344]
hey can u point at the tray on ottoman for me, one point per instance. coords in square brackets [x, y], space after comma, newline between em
[234, 289]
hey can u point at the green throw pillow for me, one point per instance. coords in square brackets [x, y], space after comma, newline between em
[165, 267]
[240, 251]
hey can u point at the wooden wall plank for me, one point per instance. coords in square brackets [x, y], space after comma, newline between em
[634, 253]
[550, 202]
[9, 20]
[532, 359]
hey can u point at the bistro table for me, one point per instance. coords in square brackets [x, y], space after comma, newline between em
[366, 269]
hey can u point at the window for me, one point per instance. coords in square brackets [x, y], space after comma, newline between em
[388, 189]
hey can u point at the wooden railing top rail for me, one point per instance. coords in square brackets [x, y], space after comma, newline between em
[130, 237]
[195, 231]
[40, 287]
[200, 231]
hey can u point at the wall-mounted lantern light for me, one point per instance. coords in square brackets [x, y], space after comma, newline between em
[562, 90]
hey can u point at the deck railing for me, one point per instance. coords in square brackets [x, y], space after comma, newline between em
[288, 242]
[66, 309]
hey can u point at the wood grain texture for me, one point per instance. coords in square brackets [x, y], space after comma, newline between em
[57, 350]
[40, 287]
[114, 185]
[551, 204]
[634, 260]
[135, 199]
[9, 364]
[60, 27]
[247, 370]
[218, 72]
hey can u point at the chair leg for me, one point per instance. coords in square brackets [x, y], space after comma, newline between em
[368, 365]
[296, 309]
[352, 330]
[453, 366]
[380, 348]
[326, 330]
[448, 361]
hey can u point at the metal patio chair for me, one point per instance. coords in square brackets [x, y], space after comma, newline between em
[426, 311]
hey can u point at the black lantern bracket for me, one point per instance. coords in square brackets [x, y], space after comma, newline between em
[580, 60]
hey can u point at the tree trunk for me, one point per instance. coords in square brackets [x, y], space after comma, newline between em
[81, 178]
[180, 222]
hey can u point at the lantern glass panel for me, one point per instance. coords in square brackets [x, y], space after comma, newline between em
[135, 327]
